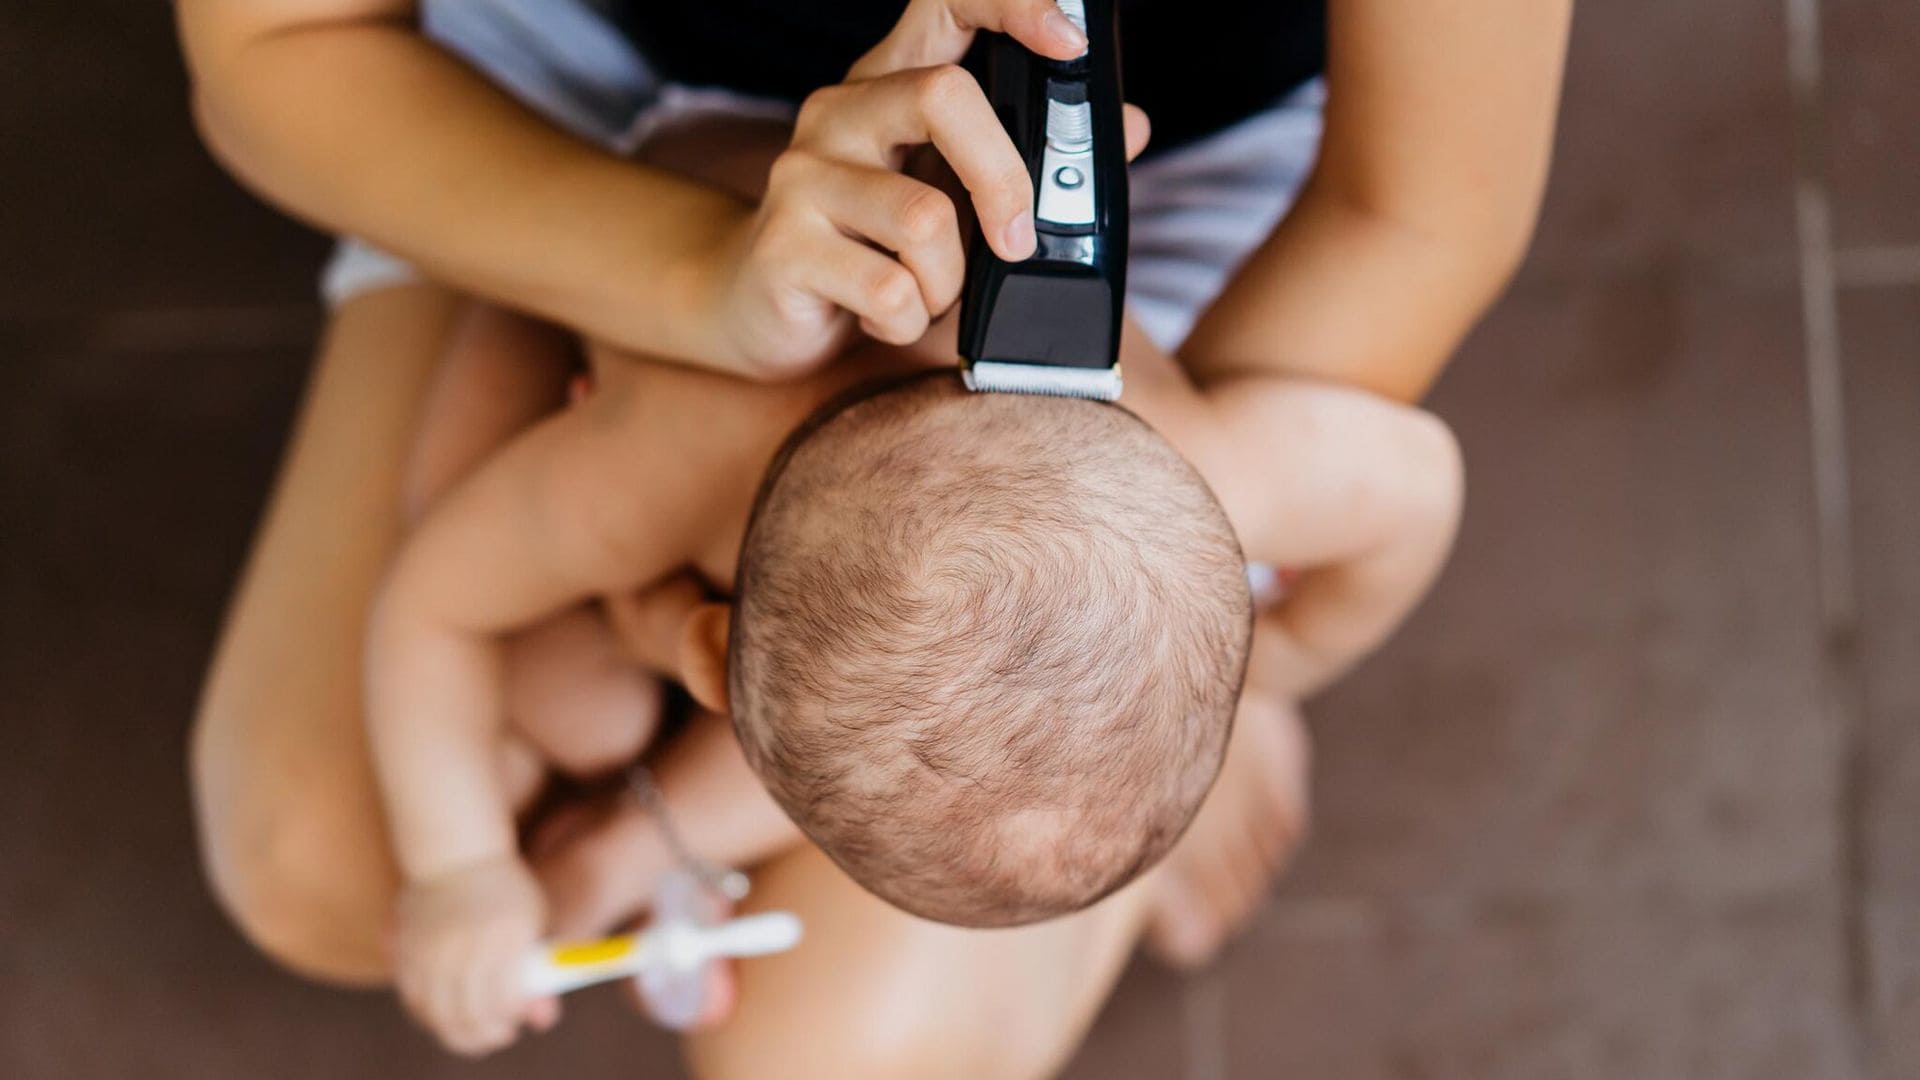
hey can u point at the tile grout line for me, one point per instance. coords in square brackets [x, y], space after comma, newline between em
[1203, 1001]
[187, 329]
[1877, 265]
[1827, 445]
[178, 329]
[1819, 302]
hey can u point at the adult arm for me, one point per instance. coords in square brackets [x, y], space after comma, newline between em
[1439, 128]
[341, 112]
[344, 114]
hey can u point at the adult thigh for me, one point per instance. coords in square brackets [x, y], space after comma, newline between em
[290, 824]
[875, 992]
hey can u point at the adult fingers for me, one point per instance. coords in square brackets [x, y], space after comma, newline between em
[940, 31]
[871, 122]
[914, 220]
[1138, 128]
[879, 290]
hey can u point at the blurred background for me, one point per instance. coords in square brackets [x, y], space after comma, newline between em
[1636, 795]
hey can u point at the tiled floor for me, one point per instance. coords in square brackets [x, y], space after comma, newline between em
[1636, 795]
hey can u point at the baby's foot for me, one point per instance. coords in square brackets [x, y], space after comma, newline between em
[1251, 823]
[576, 699]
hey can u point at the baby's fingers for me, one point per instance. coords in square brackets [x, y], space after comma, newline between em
[426, 980]
[434, 993]
[542, 1013]
[489, 996]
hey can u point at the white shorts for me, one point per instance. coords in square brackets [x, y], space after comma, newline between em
[1197, 212]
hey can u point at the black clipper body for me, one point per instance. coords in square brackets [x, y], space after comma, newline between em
[1051, 324]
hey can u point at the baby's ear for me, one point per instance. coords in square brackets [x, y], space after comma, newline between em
[703, 654]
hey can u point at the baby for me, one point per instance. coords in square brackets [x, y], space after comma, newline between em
[984, 649]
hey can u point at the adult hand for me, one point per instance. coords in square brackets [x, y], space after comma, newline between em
[842, 237]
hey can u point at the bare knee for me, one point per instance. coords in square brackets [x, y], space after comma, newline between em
[303, 872]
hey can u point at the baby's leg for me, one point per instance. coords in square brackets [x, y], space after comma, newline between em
[1253, 821]
[574, 696]
[1366, 511]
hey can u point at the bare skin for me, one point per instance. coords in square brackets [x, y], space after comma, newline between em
[607, 519]
[282, 781]
[1192, 912]
[1438, 133]
[281, 776]
[767, 291]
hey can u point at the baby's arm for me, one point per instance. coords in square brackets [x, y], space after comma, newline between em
[578, 706]
[557, 516]
[1358, 494]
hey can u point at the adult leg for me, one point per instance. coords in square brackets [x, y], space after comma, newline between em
[499, 373]
[290, 825]
[1251, 825]
[875, 992]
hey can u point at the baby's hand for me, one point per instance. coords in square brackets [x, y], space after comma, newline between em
[461, 945]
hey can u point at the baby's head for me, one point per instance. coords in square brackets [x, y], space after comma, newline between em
[987, 647]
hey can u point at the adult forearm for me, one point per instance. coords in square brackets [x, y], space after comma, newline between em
[1351, 296]
[1439, 130]
[365, 127]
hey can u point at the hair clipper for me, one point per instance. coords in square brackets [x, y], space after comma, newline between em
[1051, 324]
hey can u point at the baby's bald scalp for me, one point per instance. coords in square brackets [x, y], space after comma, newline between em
[987, 648]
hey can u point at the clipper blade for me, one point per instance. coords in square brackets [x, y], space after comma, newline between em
[999, 376]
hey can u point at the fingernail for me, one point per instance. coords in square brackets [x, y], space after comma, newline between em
[1064, 31]
[1018, 239]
